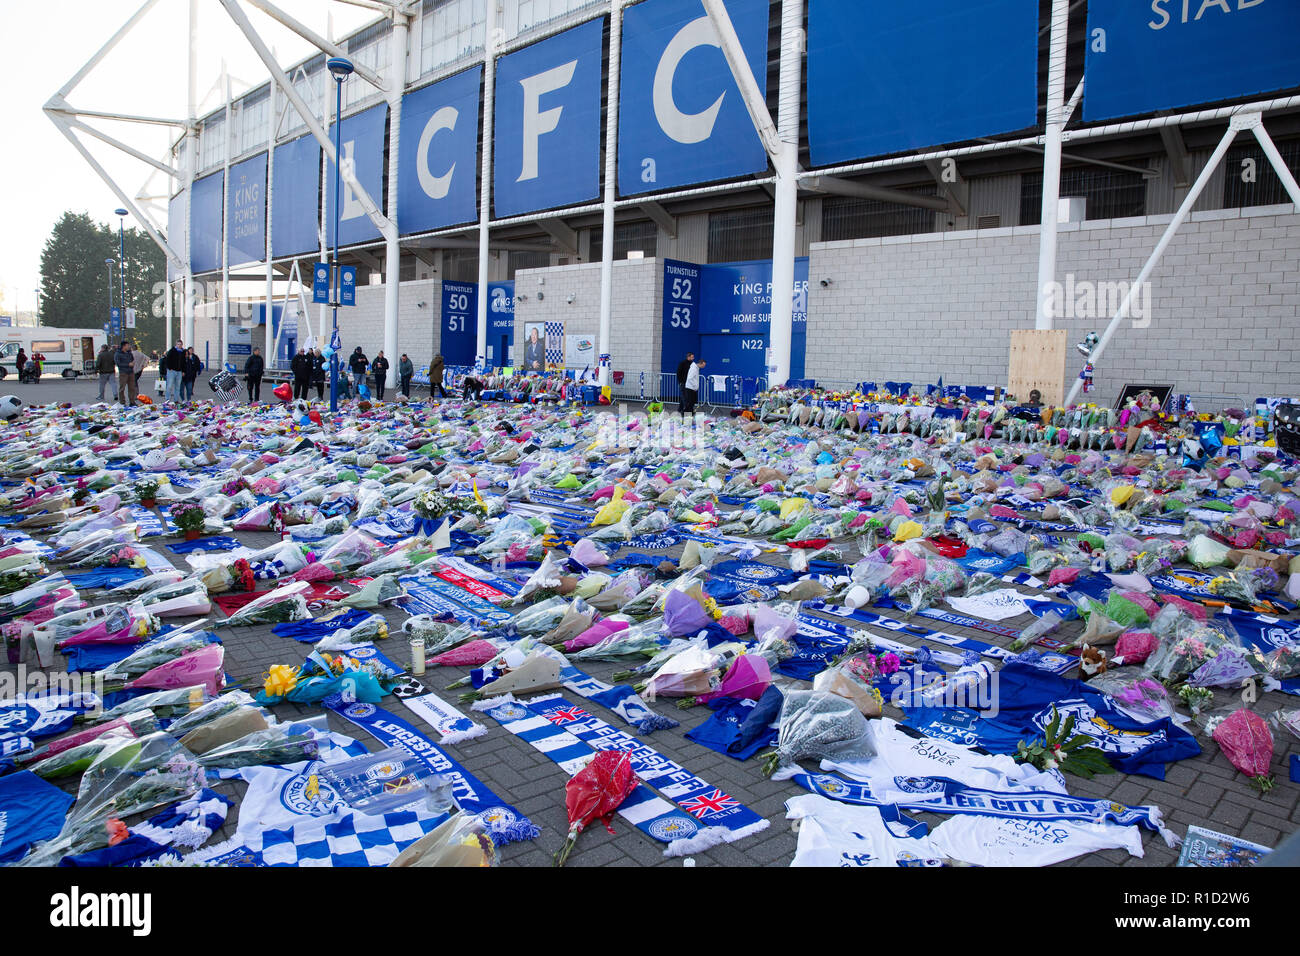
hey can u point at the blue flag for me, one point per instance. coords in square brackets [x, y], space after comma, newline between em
[31, 810]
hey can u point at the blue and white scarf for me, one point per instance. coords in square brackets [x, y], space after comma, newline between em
[452, 726]
[620, 698]
[430, 595]
[937, 795]
[504, 822]
[552, 726]
[982, 648]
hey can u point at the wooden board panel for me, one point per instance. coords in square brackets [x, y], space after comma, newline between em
[1037, 361]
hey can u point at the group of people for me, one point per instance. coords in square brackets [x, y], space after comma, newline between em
[29, 366]
[120, 368]
[309, 369]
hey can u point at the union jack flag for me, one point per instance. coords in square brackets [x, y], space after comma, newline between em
[705, 803]
[566, 715]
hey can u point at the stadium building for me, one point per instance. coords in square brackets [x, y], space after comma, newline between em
[828, 190]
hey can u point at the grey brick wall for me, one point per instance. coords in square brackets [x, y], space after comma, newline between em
[636, 325]
[1225, 304]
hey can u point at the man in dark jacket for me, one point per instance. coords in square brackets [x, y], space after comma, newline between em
[435, 376]
[684, 369]
[193, 368]
[106, 369]
[301, 368]
[405, 372]
[124, 361]
[380, 367]
[253, 370]
[174, 366]
[357, 365]
[318, 366]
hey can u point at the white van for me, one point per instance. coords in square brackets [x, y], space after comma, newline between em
[68, 352]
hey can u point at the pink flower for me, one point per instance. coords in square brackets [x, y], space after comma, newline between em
[888, 663]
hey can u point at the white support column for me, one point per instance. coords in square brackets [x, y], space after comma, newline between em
[485, 186]
[787, 194]
[322, 231]
[611, 191]
[225, 229]
[270, 339]
[191, 165]
[1237, 124]
[393, 249]
[1052, 145]
[167, 314]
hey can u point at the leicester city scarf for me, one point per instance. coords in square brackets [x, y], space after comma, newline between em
[704, 816]
[937, 795]
[452, 726]
[429, 595]
[504, 822]
[863, 616]
[620, 698]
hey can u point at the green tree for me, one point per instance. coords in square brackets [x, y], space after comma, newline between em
[74, 278]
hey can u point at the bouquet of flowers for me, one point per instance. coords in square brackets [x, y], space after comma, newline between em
[817, 725]
[1248, 744]
[323, 675]
[595, 793]
[463, 840]
[125, 779]
[1184, 654]
[234, 486]
[164, 704]
[1060, 749]
[275, 745]
[150, 655]
[280, 606]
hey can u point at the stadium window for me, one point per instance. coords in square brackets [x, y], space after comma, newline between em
[532, 13]
[527, 260]
[451, 29]
[1110, 193]
[254, 119]
[212, 147]
[460, 265]
[1250, 179]
[368, 48]
[848, 217]
[738, 235]
[628, 237]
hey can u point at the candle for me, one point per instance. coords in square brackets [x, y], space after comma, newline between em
[417, 655]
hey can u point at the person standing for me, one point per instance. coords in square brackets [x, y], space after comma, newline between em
[174, 364]
[106, 369]
[125, 364]
[380, 367]
[193, 366]
[253, 370]
[318, 366]
[301, 368]
[405, 372]
[358, 364]
[139, 361]
[683, 369]
[691, 390]
[436, 368]
[21, 361]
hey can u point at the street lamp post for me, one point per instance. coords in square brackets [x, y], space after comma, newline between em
[340, 68]
[108, 263]
[121, 261]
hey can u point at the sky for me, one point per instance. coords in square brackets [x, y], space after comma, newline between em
[47, 42]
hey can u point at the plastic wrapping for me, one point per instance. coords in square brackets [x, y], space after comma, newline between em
[816, 725]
